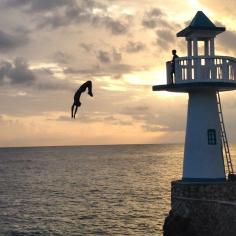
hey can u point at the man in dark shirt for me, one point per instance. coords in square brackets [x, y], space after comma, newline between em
[173, 65]
[77, 95]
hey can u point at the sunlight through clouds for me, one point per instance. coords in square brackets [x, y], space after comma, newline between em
[149, 77]
[54, 68]
[194, 3]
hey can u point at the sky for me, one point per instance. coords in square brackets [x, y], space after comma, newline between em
[50, 47]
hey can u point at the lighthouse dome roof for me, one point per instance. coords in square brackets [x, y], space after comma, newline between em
[200, 22]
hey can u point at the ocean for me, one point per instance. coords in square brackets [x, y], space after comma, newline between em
[87, 190]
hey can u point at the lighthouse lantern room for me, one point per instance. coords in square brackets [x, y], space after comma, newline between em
[203, 76]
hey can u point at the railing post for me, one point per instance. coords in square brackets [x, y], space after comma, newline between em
[225, 68]
[234, 70]
[197, 69]
[207, 68]
[189, 69]
[213, 65]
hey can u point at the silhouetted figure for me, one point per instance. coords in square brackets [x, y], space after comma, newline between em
[77, 95]
[173, 65]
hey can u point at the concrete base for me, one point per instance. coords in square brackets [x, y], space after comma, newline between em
[202, 209]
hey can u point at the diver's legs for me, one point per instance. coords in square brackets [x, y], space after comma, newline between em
[72, 110]
[76, 108]
[90, 89]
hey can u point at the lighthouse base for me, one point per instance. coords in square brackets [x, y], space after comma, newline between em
[202, 209]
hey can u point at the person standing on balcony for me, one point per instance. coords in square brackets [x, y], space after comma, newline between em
[173, 65]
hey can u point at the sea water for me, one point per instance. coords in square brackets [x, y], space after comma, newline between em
[87, 190]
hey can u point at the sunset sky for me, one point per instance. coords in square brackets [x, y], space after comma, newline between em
[50, 47]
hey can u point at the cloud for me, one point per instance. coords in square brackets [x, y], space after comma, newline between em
[96, 117]
[17, 72]
[118, 26]
[155, 18]
[54, 14]
[52, 84]
[47, 80]
[68, 16]
[227, 40]
[152, 18]
[220, 7]
[63, 118]
[87, 47]
[104, 57]
[155, 128]
[164, 28]
[121, 68]
[103, 118]
[162, 120]
[165, 38]
[112, 119]
[115, 26]
[37, 5]
[133, 47]
[135, 110]
[114, 70]
[10, 41]
[93, 70]
[117, 56]
[60, 13]
[15, 3]
[62, 57]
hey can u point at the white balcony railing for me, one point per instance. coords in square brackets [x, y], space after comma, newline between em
[203, 69]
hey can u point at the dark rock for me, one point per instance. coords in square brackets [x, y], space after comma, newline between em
[176, 225]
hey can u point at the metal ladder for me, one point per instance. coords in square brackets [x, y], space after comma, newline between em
[227, 155]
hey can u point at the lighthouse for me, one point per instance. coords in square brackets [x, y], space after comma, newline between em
[203, 201]
[202, 75]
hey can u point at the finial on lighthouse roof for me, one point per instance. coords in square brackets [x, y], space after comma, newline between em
[200, 22]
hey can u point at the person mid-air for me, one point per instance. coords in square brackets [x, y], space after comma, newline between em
[77, 95]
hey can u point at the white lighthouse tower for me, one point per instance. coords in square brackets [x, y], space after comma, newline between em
[206, 154]
[203, 203]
